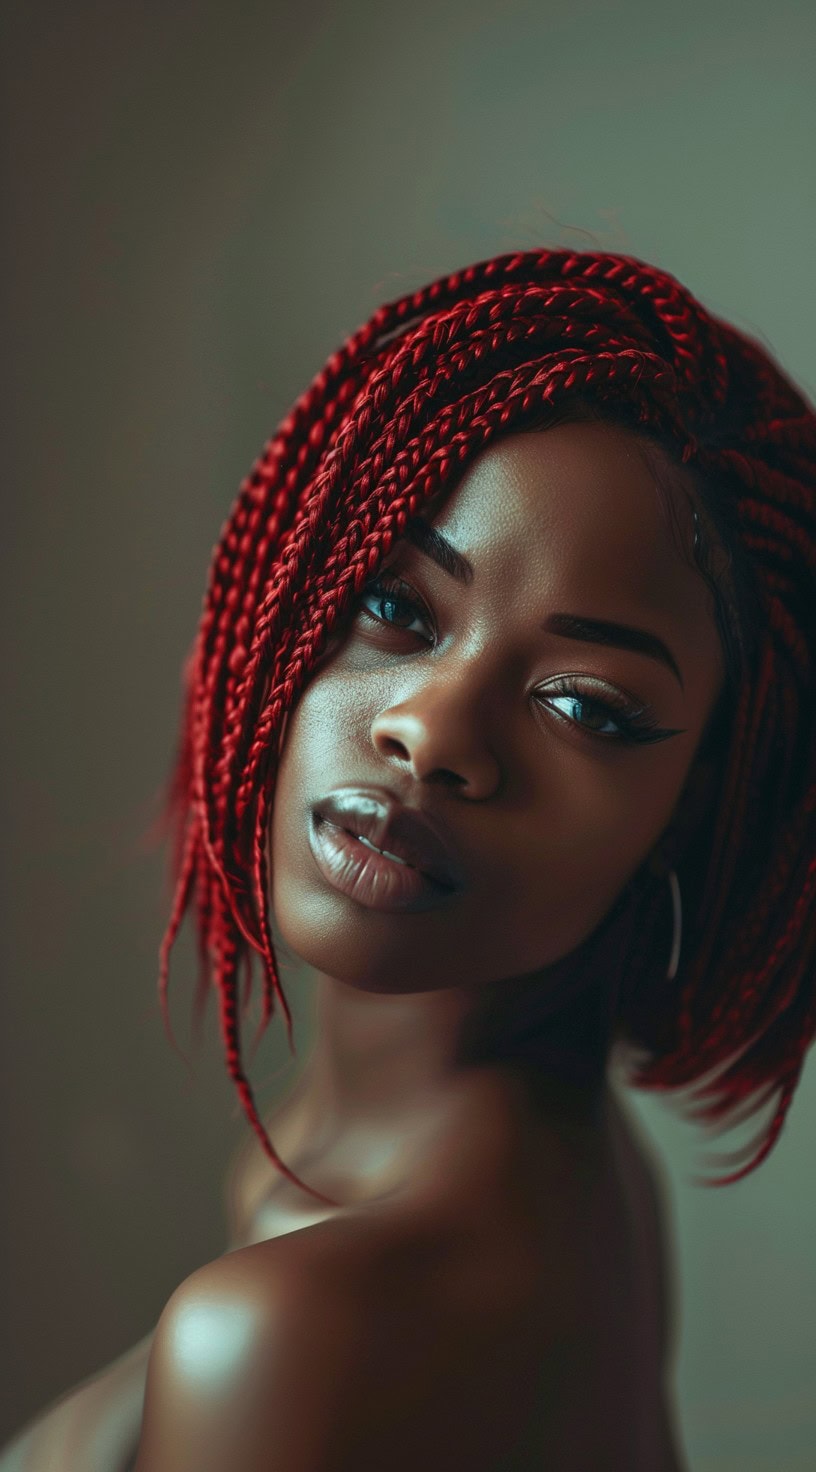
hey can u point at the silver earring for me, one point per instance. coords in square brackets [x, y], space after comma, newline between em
[677, 912]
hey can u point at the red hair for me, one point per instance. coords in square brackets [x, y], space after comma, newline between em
[396, 414]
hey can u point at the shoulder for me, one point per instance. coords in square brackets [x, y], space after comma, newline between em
[351, 1343]
[254, 1351]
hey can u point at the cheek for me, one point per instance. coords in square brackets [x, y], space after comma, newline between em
[597, 827]
[309, 738]
[310, 763]
[320, 697]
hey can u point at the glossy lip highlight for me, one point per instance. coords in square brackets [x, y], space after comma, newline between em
[370, 878]
[376, 814]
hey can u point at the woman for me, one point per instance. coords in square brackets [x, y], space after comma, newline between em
[501, 702]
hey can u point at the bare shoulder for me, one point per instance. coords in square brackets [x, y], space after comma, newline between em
[250, 1352]
[355, 1342]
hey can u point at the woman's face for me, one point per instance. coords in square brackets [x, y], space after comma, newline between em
[455, 706]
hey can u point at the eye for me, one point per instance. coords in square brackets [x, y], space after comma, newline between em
[392, 593]
[615, 719]
[629, 722]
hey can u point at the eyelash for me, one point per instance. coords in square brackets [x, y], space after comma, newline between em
[634, 726]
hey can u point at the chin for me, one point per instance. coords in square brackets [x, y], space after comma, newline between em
[395, 969]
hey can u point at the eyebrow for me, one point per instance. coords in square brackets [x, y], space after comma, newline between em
[435, 545]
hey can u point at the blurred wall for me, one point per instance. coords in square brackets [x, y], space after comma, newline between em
[203, 201]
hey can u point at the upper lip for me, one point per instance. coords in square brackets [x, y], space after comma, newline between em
[376, 814]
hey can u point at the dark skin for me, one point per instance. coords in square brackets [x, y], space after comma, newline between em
[497, 1256]
[453, 706]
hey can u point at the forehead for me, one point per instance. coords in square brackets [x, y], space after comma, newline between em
[574, 506]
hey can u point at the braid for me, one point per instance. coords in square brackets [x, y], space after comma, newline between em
[394, 417]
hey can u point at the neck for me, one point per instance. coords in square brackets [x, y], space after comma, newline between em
[379, 1057]
[383, 1065]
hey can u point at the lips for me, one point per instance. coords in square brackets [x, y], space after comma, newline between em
[375, 814]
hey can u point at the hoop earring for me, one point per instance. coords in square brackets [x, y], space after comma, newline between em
[677, 915]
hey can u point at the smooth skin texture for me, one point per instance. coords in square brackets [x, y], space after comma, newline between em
[457, 712]
[452, 704]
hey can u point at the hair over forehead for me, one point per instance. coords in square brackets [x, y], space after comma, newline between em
[393, 418]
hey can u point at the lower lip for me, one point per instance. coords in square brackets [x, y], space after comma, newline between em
[368, 877]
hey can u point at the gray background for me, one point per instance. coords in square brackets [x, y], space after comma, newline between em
[204, 201]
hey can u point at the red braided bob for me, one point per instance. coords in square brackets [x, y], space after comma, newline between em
[396, 414]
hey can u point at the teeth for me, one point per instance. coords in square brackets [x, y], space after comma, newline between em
[388, 855]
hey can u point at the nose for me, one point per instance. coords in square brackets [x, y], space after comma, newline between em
[439, 734]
